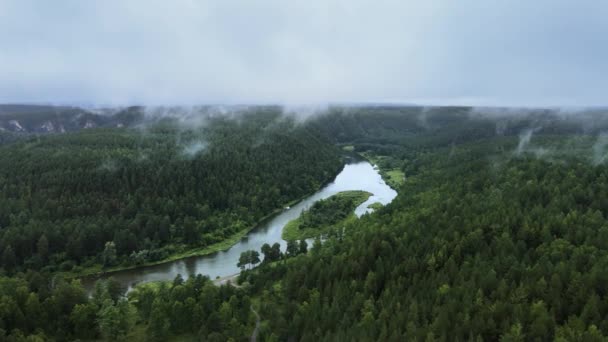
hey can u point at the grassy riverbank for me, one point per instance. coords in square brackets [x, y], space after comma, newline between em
[325, 215]
[185, 253]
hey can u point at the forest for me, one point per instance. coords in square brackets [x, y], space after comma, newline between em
[77, 202]
[498, 233]
[470, 252]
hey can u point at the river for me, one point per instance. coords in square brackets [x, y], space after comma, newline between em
[359, 175]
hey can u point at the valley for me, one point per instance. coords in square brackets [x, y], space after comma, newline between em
[136, 233]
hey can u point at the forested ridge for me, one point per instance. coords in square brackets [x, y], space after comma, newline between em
[121, 196]
[466, 252]
[492, 238]
[499, 238]
[499, 232]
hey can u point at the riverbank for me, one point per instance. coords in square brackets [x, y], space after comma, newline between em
[99, 271]
[294, 230]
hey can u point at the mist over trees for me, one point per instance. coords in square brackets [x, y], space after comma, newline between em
[123, 197]
[481, 243]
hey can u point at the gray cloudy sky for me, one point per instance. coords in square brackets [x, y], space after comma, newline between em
[516, 52]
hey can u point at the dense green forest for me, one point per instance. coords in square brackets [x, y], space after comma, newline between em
[468, 250]
[124, 197]
[498, 232]
[35, 308]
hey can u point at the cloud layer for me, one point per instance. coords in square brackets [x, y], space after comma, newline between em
[519, 52]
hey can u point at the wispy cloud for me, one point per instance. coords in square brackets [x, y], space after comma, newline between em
[472, 52]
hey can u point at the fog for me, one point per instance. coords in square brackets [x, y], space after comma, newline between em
[194, 148]
[524, 140]
[512, 53]
[599, 149]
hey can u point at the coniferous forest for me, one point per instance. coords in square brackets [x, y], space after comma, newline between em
[499, 231]
[125, 197]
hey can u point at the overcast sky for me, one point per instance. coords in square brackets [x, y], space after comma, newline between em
[520, 53]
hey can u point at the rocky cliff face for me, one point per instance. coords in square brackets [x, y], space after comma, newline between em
[54, 119]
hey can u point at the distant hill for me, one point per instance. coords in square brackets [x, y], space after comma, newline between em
[60, 119]
[350, 121]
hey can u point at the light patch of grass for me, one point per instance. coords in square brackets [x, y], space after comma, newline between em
[395, 177]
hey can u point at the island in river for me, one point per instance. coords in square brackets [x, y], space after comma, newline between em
[325, 215]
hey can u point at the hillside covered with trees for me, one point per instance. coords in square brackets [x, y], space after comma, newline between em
[498, 232]
[116, 197]
[468, 250]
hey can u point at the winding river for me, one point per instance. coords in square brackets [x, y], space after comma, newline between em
[359, 175]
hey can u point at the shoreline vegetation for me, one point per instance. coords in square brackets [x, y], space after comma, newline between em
[375, 205]
[325, 215]
[99, 271]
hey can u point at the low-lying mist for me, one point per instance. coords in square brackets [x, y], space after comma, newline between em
[339, 122]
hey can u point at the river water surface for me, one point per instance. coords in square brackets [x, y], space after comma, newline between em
[355, 176]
